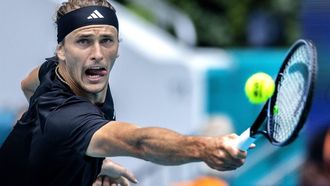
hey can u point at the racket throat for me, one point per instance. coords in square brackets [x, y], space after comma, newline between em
[245, 140]
[261, 133]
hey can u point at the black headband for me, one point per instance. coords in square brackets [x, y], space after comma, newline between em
[90, 15]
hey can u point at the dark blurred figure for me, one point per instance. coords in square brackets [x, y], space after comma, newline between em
[316, 169]
[264, 29]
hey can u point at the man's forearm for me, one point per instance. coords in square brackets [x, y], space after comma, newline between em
[159, 145]
[28, 93]
[167, 147]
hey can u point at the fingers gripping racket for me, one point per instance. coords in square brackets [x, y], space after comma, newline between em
[285, 113]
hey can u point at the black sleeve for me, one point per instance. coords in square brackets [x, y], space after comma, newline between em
[74, 125]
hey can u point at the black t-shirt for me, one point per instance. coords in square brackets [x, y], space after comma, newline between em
[48, 144]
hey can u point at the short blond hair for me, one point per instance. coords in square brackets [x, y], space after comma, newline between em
[71, 5]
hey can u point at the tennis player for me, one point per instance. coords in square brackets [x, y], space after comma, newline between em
[69, 127]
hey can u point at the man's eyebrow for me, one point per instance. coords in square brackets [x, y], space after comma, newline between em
[107, 35]
[84, 35]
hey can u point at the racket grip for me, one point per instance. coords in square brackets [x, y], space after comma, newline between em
[245, 140]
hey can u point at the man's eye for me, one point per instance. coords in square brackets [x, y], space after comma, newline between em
[83, 41]
[107, 41]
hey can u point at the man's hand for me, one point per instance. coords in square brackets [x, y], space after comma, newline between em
[221, 153]
[113, 174]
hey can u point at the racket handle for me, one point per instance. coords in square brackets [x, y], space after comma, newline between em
[245, 140]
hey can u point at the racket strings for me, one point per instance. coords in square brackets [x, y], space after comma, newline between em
[290, 95]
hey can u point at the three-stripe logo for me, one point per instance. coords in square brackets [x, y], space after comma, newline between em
[95, 15]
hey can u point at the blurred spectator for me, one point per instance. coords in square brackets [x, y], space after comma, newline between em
[263, 29]
[217, 125]
[316, 169]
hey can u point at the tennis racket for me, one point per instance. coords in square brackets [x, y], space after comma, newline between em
[285, 113]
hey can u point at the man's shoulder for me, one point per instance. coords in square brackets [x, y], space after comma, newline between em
[47, 66]
[62, 101]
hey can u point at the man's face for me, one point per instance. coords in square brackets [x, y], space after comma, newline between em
[89, 54]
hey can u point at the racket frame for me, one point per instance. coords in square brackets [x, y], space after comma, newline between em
[307, 104]
[267, 112]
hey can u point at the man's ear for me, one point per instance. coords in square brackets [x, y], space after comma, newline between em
[60, 53]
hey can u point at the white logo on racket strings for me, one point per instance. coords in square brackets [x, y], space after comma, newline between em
[95, 15]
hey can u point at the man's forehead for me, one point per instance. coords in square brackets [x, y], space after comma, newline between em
[104, 29]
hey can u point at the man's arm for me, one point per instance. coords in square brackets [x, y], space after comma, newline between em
[166, 147]
[30, 83]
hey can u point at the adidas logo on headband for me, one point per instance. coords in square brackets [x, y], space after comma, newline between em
[95, 15]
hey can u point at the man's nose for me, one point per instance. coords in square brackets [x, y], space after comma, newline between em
[97, 52]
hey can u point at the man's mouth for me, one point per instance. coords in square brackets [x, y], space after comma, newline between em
[95, 73]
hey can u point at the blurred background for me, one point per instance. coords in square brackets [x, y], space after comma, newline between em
[183, 65]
